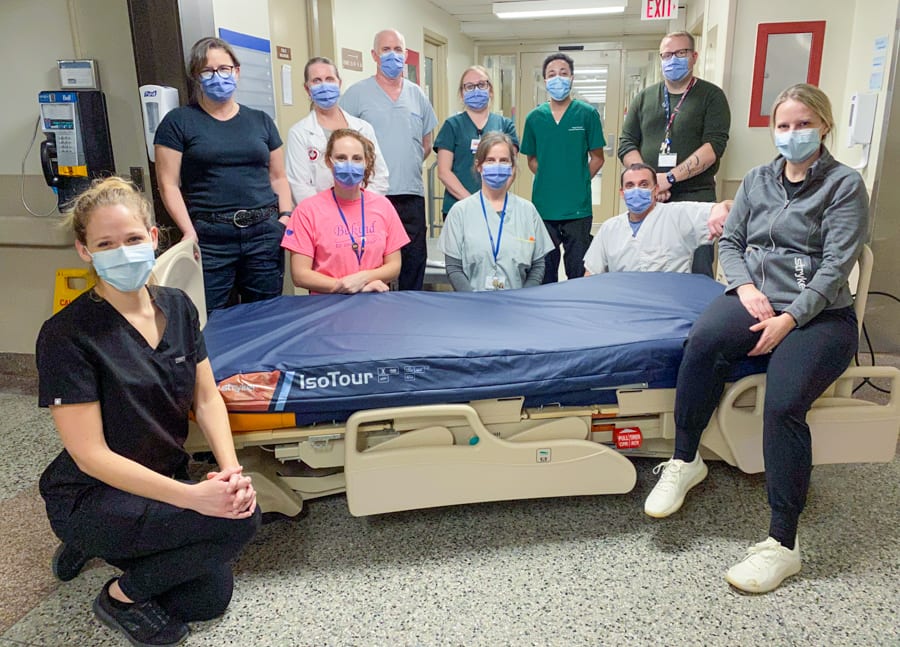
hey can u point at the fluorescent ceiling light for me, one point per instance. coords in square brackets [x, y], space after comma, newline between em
[556, 8]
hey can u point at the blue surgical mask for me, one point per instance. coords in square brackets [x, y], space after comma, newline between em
[675, 68]
[798, 145]
[325, 95]
[392, 64]
[476, 99]
[217, 88]
[558, 87]
[496, 175]
[126, 267]
[638, 200]
[348, 173]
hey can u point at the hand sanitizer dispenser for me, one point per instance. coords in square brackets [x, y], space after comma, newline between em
[156, 101]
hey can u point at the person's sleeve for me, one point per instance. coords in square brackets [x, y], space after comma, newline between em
[273, 139]
[300, 233]
[694, 223]
[446, 137]
[844, 228]
[450, 241]
[458, 279]
[509, 127]
[349, 101]
[733, 241]
[396, 236]
[717, 122]
[66, 374]
[429, 119]
[299, 167]
[199, 344]
[170, 132]
[529, 144]
[380, 180]
[595, 256]
[535, 274]
[595, 130]
[630, 139]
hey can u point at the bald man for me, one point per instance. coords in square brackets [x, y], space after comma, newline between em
[403, 120]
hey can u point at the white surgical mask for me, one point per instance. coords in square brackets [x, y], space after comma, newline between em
[126, 267]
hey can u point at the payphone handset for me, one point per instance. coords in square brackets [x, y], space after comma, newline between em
[77, 147]
[156, 101]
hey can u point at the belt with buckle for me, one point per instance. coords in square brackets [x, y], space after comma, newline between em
[242, 217]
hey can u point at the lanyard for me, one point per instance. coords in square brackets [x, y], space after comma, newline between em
[495, 249]
[360, 248]
[671, 114]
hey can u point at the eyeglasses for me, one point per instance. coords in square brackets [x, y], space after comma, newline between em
[481, 85]
[223, 72]
[681, 53]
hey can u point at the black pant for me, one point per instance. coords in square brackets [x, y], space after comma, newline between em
[411, 209]
[575, 236]
[704, 255]
[802, 366]
[178, 557]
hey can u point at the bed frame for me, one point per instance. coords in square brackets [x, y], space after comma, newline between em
[405, 458]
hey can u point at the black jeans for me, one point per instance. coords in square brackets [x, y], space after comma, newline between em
[802, 366]
[178, 557]
[249, 259]
[411, 209]
[575, 237]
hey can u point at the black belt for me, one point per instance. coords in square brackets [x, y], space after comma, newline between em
[242, 217]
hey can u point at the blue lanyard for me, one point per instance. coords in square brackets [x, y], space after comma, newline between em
[670, 118]
[495, 249]
[360, 248]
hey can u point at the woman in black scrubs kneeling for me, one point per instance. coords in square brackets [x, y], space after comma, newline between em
[120, 368]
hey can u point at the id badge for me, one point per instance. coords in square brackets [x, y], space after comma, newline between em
[495, 281]
[667, 160]
[473, 145]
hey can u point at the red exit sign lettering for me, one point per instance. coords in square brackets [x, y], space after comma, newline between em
[659, 9]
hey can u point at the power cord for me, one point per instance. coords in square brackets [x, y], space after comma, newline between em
[867, 380]
[37, 123]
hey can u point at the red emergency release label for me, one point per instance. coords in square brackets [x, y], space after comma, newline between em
[628, 438]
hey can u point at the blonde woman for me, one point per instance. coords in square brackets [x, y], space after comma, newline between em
[120, 368]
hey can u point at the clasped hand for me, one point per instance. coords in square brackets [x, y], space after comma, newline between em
[227, 494]
[773, 328]
[359, 282]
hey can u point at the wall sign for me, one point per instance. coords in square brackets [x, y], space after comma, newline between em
[351, 59]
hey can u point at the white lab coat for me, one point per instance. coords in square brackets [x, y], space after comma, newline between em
[305, 158]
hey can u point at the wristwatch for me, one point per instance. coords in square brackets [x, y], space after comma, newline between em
[670, 178]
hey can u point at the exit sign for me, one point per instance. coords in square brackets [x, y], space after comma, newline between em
[659, 9]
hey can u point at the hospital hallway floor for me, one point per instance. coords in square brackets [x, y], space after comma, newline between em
[569, 571]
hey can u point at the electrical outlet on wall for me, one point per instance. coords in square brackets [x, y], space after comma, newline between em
[137, 176]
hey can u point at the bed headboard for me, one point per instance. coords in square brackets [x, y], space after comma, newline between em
[179, 267]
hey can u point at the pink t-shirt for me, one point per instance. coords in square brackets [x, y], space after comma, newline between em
[316, 230]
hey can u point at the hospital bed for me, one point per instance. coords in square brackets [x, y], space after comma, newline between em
[558, 413]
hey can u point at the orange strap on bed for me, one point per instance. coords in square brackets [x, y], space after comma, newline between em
[258, 421]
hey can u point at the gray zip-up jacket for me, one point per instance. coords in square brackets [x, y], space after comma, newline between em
[798, 252]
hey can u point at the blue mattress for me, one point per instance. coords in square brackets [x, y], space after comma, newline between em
[324, 357]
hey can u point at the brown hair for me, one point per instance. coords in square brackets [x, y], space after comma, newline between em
[491, 139]
[103, 193]
[368, 150]
[681, 34]
[319, 59]
[197, 61]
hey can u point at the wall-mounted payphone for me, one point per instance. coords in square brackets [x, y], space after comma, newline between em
[77, 147]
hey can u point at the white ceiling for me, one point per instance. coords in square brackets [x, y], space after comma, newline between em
[480, 24]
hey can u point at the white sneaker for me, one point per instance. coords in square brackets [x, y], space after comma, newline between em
[766, 566]
[677, 478]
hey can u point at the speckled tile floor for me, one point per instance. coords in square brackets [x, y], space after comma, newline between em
[572, 571]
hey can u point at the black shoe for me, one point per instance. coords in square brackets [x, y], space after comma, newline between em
[67, 562]
[145, 624]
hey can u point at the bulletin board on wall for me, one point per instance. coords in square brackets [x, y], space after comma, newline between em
[413, 65]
